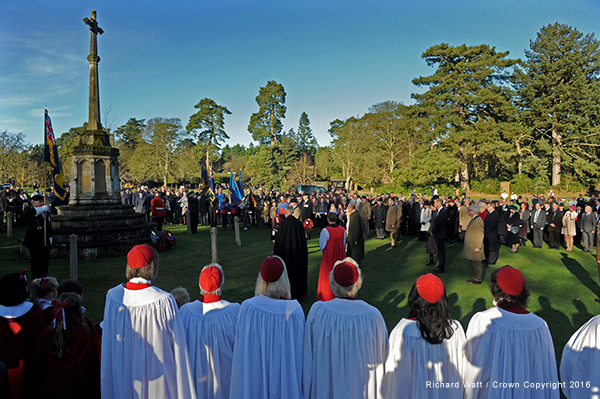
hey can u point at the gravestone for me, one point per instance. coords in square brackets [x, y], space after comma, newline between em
[103, 226]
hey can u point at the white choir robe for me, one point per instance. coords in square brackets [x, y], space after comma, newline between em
[345, 343]
[267, 354]
[210, 333]
[504, 347]
[580, 362]
[144, 352]
[417, 369]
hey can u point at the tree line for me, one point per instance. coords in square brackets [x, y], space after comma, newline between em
[478, 119]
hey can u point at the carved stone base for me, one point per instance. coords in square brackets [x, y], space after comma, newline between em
[103, 231]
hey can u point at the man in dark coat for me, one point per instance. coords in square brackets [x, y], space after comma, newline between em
[503, 213]
[36, 216]
[490, 227]
[306, 212]
[379, 214]
[193, 207]
[538, 223]
[555, 217]
[290, 245]
[438, 231]
[354, 236]
[203, 208]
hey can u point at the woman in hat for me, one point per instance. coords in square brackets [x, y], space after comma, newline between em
[510, 348]
[429, 336]
[570, 227]
[513, 226]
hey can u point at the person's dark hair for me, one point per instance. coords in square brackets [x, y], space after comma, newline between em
[332, 217]
[70, 286]
[505, 300]
[62, 335]
[433, 319]
[13, 289]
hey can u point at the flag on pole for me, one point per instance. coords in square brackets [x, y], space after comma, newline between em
[233, 188]
[211, 186]
[205, 183]
[51, 159]
[241, 186]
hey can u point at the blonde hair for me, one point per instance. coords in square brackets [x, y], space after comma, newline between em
[181, 296]
[219, 290]
[280, 289]
[37, 291]
[345, 292]
[148, 272]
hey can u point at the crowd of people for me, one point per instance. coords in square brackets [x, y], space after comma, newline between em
[151, 345]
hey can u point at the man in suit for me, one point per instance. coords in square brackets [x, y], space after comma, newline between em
[491, 233]
[438, 231]
[588, 225]
[537, 225]
[473, 244]
[503, 213]
[354, 235]
[392, 220]
[554, 226]
[547, 209]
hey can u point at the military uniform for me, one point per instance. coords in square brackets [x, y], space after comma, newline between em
[34, 239]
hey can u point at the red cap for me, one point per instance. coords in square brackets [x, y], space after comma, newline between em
[211, 279]
[271, 269]
[140, 256]
[430, 287]
[345, 274]
[510, 280]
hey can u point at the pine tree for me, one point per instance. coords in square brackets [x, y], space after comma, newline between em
[265, 125]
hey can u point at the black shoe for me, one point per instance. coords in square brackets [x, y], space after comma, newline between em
[438, 270]
[597, 299]
[471, 281]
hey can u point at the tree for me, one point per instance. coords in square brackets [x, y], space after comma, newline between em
[302, 171]
[303, 137]
[208, 126]
[11, 145]
[155, 155]
[265, 125]
[559, 93]
[262, 168]
[466, 101]
[323, 162]
[129, 133]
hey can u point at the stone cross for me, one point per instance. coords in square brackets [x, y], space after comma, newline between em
[94, 101]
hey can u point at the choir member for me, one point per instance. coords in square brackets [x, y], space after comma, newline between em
[267, 354]
[508, 345]
[210, 331]
[144, 352]
[42, 292]
[425, 357]
[345, 341]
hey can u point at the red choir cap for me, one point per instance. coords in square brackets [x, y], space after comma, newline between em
[140, 256]
[510, 280]
[271, 269]
[210, 279]
[345, 274]
[430, 287]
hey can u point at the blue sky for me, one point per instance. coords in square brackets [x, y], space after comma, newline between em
[158, 59]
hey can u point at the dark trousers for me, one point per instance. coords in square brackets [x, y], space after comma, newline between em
[224, 218]
[538, 237]
[194, 222]
[204, 218]
[40, 260]
[492, 257]
[554, 237]
[441, 253]
[502, 239]
[159, 220]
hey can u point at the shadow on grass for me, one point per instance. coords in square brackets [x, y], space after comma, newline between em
[582, 275]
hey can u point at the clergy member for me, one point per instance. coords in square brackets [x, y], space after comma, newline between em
[508, 345]
[144, 352]
[345, 341]
[210, 331]
[290, 245]
[354, 235]
[580, 362]
[267, 354]
[21, 323]
[426, 349]
[331, 242]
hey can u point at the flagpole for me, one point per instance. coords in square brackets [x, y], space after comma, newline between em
[44, 179]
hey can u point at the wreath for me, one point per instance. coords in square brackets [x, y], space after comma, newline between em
[308, 224]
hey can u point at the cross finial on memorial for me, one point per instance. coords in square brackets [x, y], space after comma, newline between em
[96, 30]
[94, 104]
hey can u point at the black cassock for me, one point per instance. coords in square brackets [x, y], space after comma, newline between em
[290, 245]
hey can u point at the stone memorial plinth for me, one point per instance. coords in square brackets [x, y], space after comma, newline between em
[103, 226]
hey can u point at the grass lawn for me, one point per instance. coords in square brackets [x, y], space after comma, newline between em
[563, 285]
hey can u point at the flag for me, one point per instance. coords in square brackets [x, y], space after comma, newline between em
[241, 186]
[205, 183]
[211, 186]
[234, 189]
[51, 159]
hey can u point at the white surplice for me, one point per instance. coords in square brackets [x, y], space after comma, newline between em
[210, 333]
[417, 369]
[267, 354]
[144, 352]
[580, 362]
[345, 344]
[509, 348]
